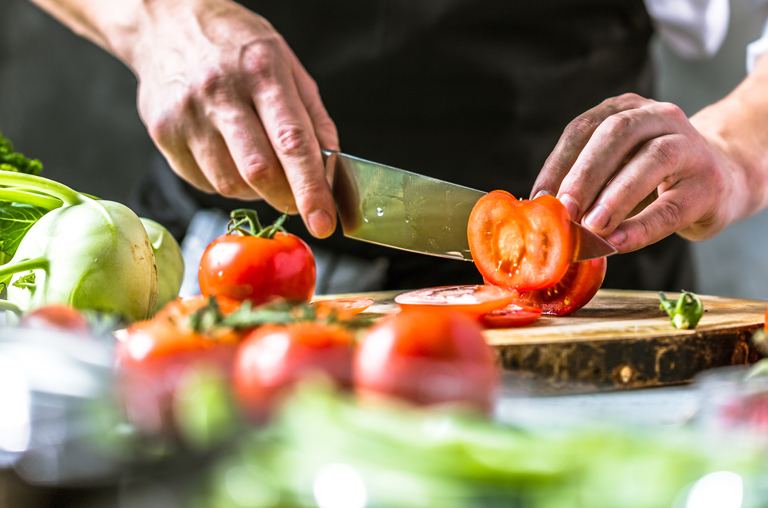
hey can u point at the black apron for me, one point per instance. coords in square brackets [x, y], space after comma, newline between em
[473, 92]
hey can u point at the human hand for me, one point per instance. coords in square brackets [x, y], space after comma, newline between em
[610, 159]
[231, 108]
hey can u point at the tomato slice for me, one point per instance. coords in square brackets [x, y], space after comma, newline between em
[473, 300]
[572, 292]
[511, 316]
[522, 245]
[343, 308]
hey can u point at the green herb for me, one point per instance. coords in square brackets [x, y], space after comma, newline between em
[685, 312]
[17, 162]
[243, 217]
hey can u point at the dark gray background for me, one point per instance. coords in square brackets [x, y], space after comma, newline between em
[72, 105]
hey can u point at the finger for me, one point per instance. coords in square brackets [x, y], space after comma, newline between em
[675, 209]
[655, 162]
[616, 139]
[292, 135]
[216, 163]
[325, 129]
[575, 138]
[183, 163]
[252, 153]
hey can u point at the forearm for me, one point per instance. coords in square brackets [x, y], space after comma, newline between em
[737, 127]
[118, 26]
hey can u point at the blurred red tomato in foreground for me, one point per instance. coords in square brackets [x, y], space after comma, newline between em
[427, 357]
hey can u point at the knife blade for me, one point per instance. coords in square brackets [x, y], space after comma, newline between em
[388, 206]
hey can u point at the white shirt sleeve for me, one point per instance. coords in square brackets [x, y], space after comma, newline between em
[757, 48]
[692, 28]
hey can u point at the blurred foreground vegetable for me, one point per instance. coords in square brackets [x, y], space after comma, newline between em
[326, 451]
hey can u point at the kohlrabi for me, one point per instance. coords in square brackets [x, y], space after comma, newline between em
[169, 262]
[88, 253]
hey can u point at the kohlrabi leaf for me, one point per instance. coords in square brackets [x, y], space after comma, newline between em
[15, 221]
[16, 162]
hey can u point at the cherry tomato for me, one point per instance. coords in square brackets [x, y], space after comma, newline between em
[342, 308]
[473, 300]
[258, 269]
[577, 287]
[56, 317]
[273, 358]
[427, 357]
[511, 316]
[522, 245]
[180, 308]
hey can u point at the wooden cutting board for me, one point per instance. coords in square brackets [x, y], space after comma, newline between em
[621, 339]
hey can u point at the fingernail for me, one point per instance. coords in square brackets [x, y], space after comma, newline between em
[598, 218]
[616, 238]
[320, 223]
[570, 204]
[542, 192]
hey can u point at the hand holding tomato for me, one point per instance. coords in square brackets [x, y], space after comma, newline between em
[257, 264]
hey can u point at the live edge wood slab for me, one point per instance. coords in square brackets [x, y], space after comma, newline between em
[621, 339]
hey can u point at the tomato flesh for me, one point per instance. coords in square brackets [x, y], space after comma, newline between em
[341, 308]
[427, 357]
[577, 287]
[243, 268]
[521, 245]
[513, 315]
[473, 300]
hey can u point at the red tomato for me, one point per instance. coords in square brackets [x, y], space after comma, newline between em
[472, 300]
[522, 245]
[152, 358]
[574, 291]
[511, 316]
[427, 357]
[342, 308]
[56, 317]
[258, 269]
[273, 358]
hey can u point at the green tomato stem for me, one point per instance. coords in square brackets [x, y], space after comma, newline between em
[6, 305]
[40, 184]
[6, 270]
[14, 195]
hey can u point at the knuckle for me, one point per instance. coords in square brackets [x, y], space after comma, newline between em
[214, 84]
[670, 110]
[309, 189]
[619, 124]
[581, 127]
[664, 151]
[669, 213]
[229, 187]
[258, 172]
[293, 141]
[260, 60]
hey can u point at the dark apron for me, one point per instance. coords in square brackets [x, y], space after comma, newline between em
[473, 92]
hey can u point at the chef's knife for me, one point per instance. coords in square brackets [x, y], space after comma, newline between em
[388, 206]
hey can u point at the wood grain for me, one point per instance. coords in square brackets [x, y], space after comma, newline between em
[621, 339]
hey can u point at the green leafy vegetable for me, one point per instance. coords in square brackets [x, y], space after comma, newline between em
[15, 221]
[685, 312]
[169, 261]
[88, 254]
[17, 162]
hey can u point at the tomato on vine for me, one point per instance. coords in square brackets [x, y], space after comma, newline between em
[251, 262]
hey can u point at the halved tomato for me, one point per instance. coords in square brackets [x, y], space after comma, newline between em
[511, 316]
[342, 308]
[577, 287]
[520, 244]
[473, 300]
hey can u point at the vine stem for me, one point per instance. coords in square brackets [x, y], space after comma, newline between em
[6, 305]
